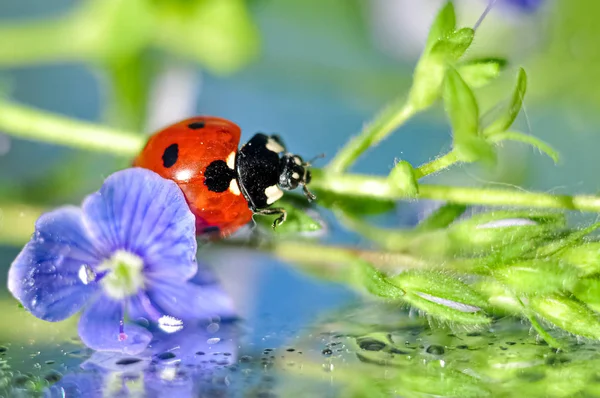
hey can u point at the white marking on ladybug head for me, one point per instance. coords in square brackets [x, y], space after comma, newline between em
[273, 194]
[231, 160]
[295, 176]
[274, 146]
[297, 161]
[234, 188]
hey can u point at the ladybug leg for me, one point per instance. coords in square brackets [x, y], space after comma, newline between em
[277, 210]
[309, 195]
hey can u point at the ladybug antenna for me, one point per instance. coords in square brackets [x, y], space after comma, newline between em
[309, 163]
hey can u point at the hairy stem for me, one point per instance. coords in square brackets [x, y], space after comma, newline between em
[438, 164]
[389, 120]
[358, 185]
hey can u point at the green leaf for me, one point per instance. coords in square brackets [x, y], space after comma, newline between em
[451, 48]
[502, 235]
[588, 291]
[402, 177]
[499, 298]
[537, 277]
[479, 72]
[463, 112]
[506, 120]
[527, 139]
[568, 314]
[568, 240]
[430, 71]
[443, 25]
[441, 296]
[297, 220]
[586, 258]
[441, 218]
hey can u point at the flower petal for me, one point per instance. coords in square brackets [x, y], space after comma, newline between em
[190, 301]
[100, 328]
[46, 276]
[139, 211]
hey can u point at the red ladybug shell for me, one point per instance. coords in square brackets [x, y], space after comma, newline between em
[182, 152]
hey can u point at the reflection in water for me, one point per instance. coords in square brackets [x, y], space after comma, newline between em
[373, 350]
[189, 363]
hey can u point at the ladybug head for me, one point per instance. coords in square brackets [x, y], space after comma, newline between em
[294, 172]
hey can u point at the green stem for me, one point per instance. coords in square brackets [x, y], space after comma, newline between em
[28, 123]
[436, 165]
[389, 120]
[358, 185]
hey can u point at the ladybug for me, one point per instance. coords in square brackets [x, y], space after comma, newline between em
[224, 187]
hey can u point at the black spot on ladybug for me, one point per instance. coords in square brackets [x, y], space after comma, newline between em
[170, 155]
[218, 176]
[196, 125]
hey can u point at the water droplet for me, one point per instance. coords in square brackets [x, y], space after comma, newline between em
[128, 361]
[213, 340]
[50, 362]
[371, 344]
[327, 352]
[86, 274]
[246, 358]
[53, 377]
[166, 355]
[291, 350]
[170, 324]
[212, 328]
[435, 349]
[200, 353]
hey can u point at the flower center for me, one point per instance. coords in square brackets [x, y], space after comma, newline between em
[124, 275]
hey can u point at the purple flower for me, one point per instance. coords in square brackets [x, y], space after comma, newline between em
[130, 251]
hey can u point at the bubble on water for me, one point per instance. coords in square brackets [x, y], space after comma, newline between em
[371, 344]
[213, 340]
[53, 377]
[128, 361]
[170, 324]
[166, 356]
[327, 352]
[435, 349]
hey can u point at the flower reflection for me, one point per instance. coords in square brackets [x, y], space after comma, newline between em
[130, 251]
[191, 363]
